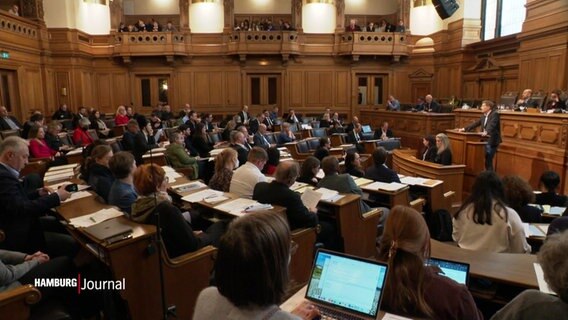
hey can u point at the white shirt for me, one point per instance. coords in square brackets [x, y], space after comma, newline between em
[486, 117]
[244, 179]
[501, 236]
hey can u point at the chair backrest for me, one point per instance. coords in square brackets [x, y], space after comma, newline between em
[540, 97]
[509, 98]
[169, 131]
[65, 139]
[389, 144]
[302, 147]
[109, 123]
[9, 133]
[39, 167]
[313, 143]
[67, 124]
[93, 134]
[319, 132]
[214, 137]
[271, 137]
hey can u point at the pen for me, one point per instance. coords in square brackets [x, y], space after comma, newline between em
[93, 219]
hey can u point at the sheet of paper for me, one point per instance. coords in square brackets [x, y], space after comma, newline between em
[190, 186]
[156, 150]
[298, 185]
[393, 186]
[535, 230]
[320, 174]
[63, 167]
[215, 152]
[557, 211]
[74, 151]
[168, 168]
[153, 155]
[413, 180]
[57, 177]
[542, 285]
[362, 181]
[546, 208]
[328, 194]
[69, 172]
[202, 195]
[172, 176]
[78, 195]
[95, 217]
[310, 198]
[215, 199]
[302, 190]
[390, 316]
[237, 207]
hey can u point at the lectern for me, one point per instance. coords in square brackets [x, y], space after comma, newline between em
[468, 148]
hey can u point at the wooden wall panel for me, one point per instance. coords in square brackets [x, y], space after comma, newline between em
[184, 85]
[539, 73]
[120, 91]
[34, 84]
[104, 92]
[342, 89]
[296, 88]
[87, 90]
[216, 88]
[325, 88]
[201, 88]
[233, 89]
[62, 81]
[312, 88]
[51, 92]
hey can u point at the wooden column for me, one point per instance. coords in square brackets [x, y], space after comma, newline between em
[229, 8]
[184, 15]
[32, 9]
[340, 16]
[297, 15]
[116, 14]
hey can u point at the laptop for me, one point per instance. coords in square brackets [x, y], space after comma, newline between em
[366, 129]
[110, 231]
[346, 287]
[457, 271]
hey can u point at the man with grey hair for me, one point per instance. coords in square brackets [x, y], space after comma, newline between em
[260, 137]
[20, 217]
[430, 105]
[8, 122]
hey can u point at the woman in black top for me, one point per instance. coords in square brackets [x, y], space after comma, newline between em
[430, 150]
[309, 170]
[353, 164]
[444, 153]
[199, 141]
[518, 195]
[549, 183]
[100, 177]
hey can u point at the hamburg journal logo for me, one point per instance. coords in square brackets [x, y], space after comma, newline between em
[81, 284]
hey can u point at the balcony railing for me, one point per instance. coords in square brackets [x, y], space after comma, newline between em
[149, 44]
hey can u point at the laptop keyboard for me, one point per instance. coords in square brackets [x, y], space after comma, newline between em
[329, 314]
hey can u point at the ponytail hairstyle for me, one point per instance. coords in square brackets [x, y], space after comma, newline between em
[404, 246]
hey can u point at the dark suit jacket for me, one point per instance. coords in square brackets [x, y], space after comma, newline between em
[242, 115]
[343, 183]
[191, 126]
[140, 146]
[20, 213]
[279, 194]
[433, 107]
[268, 123]
[381, 174]
[203, 147]
[259, 142]
[444, 158]
[208, 126]
[290, 120]
[325, 124]
[430, 154]
[552, 199]
[560, 105]
[62, 115]
[493, 127]
[379, 133]
[128, 141]
[4, 125]
[253, 125]
[321, 153]
[351, 137]
[242, 153]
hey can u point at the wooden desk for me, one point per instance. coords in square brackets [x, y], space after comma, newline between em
[452, 176]
[532, 143]
[508, 268]
[411, 127]
[468, 148]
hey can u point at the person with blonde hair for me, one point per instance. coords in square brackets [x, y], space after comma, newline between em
[121, 118]
[444, 153]
[225, 163]
[151, 184]
[413, 289]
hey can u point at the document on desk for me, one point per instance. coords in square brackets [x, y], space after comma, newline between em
[74, 151]
[240, 207]
[190, 186]
[535, 230]
[320, 174]
[202, 195]
[329, 195]
[310, 198]
[215, 152]
[173, 175]
[78, 195]
[153, 155]
[556, 211]
[156, 150]
[393, 186]
[63, 167]
[302, 190]
[542, 285]
[96, 217]
[298, 185]
[362, 181]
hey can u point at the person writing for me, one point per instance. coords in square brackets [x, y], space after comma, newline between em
[491, 124]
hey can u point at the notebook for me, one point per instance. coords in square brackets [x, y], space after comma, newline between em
[344, 286]
[457, 271]
[366, 128]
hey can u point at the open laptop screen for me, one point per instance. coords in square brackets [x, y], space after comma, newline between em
[366, 128]
[347, 282]
[457, 271]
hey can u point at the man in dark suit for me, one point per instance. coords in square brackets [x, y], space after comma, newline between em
[526, 100]
[431, 106]
[490, 122]
[293, 118]
[238, 142]
[278, 193]
[21, 211]
[244, 115]
[208, 122]
[8, 122]
[356, 138]
[268, 122]
[354, 122]
[383, 132]
[259, 137]
[255, 122]
[379, 171]
[191, 122]
[62, 113]
[323, 150]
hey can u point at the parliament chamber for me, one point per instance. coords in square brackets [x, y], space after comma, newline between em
[295, 77]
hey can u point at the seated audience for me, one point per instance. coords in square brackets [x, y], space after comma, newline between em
[36, 119]
[274, 114]
[151, 184]
[444, 151]
[325, 121]
[40, 149]
[400, 27]
[557, 225]
[244, 116]
[8, 122]
[356, 137]
[99, 176]
[393, 104]
[179, 157]
[323, 150]
[22, 211]
[413, 289]
[383, 133]
[230, 127]
[255, 123]
[267, 120]
[273, 161]
[549, 184]
[534, 304]
[430, 105]
[293, 118]
[354, 122]
[335, 118]
[353, 26]
[225, 163]
[379, 170]
[207, 122]
[526, 100]
[259, 137]
[238, 142]
[185, 131]
[518, 195]
[138, 141]
[252, 272]
[554, 104]
[82, 114]
[286, 135]
[430, 150]
[342, 183]
[353, 164]
[485, 223]
[52, 137]
[199, 141]
[169, 27]
[248, 175]
[335, 128]
[121, 117]
[62, 113]
[80, 135]
[309, 170]
[98, 124]
[122, 193]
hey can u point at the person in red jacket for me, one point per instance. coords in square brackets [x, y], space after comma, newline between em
[80, 135]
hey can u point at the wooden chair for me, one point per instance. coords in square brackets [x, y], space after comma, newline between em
[508, 98]
[337, 139]
[39, 167]
[119, 130]
[93, 134]
[540, 97]
[301, 262]
[298, 150]
[16, 303]
[319, 132]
